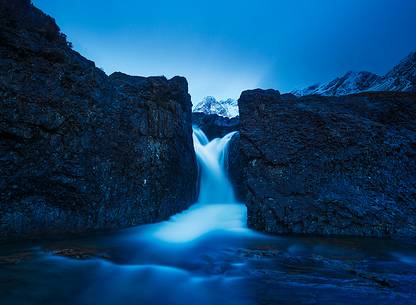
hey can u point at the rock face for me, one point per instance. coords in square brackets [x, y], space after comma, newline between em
[80, 150]
[329, 165]
[215, 126]
[402, 78]
[235, 163]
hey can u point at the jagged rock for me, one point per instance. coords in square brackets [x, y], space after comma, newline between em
[80, 150]
[215, 126]
[329, 165]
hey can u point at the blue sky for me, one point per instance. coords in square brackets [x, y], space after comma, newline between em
[223, 47]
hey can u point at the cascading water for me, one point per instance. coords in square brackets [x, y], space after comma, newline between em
[214, 184]
[216, 209]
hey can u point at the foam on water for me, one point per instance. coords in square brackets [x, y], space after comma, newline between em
[217, 208]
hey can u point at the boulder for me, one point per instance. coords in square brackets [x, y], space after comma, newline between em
[329, 165]
[79, 150]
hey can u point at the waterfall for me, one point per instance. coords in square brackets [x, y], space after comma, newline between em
[214, 184]
[216, 209]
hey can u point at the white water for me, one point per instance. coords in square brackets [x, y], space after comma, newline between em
[217, 208]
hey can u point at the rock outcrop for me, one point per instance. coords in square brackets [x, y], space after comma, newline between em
[215, 126]
[79, 150]
[329, 165]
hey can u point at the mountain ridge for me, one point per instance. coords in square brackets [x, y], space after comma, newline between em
[401, 78]
[210, 105]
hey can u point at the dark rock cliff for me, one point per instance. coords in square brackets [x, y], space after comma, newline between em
[80, 150]
[329, 165]
[235, 163]
[215, 126]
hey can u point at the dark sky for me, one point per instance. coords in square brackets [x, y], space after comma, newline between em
[223, 47]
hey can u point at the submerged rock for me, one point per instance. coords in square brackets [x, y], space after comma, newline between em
[79, 253]
[79, 150]
[329, 165]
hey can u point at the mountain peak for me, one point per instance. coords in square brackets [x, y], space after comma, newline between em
[210, 105]
[401, 78]
[350, 82]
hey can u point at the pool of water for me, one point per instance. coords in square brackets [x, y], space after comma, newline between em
[221, 267]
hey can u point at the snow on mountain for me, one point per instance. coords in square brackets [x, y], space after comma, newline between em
[401, 78]
[351, 82]
[231, 105]
[210, 105]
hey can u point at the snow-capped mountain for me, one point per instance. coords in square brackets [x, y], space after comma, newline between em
[210, 105]
[401, 78]
[351, 82]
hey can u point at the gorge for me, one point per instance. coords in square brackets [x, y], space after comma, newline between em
[206, 255]
[112, 191]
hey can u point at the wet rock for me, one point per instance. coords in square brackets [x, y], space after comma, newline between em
[383, 282]
[79, 253]
[234, 168]
[323, 270]
[329, 165]
[16, 258]
[79, 150]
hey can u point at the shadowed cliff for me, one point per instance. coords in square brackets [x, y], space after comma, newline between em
[328, 165]
[79, 150]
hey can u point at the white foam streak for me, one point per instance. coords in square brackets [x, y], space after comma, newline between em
[216, 209]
